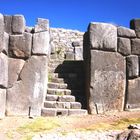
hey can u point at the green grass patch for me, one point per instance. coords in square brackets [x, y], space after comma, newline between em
[37, 126]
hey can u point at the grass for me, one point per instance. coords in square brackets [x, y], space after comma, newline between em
[37, 126]
[49, 78]
[117, 125]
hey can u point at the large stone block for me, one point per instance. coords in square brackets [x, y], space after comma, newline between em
[14, 68]
[6, 43]
[78, 53]
[135, 46]
[107, 82]
[1, 32]
[28, 93]
[20, 45]
[2, 102]
[132, 63]
[8, 24]
[103, 36]
[3, 70]
[42, 25]
[18, 24]
[41, 43]
[133, 94]
[125, 32]
[124, 46]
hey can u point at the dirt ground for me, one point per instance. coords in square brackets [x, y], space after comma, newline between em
[10, 124]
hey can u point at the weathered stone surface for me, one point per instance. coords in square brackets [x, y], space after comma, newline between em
[75, 44]
[103, 36]
[30, 90]
[18, 24]
[2, 102]
[20, 45]
[79, 53]
[126, 32]
[8, 24]
[1, 32]
[135, 46]
[29, 29]
[132, 64]
[14, 68]
[3, 70]
[41, 43]
[133, 96]
[42, 25]
[6, 43]
[107, 83]
[69, 56]
[124, 46]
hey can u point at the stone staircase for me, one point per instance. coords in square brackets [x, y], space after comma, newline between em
[65, 93]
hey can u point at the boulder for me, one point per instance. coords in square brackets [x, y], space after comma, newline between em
[8, 24]
[27, 95]
[1, 32]
[14, 68]
[133, 96]
[124, 46]
[42, 25]
[18, 24]
[106, 82]
[132, 63]
[20, 45]
[2, 102]
[3, 70]
[41, 43]
[103, 36]
[126, 32]
[135, 46]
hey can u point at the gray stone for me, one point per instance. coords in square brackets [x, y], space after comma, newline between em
[135, 46]
[2, 102]
[75, 105]
[66, 98]
[48, 112]
[41, 43]
[18, 24]
[20, 45]
[1, 32]
[30, 91]
[69, 56]
[79, 53]
[126, 32]
[62, 112]
[42, 25]
[103, 36]
[6, 43]
[132, 63]
[3, 70]
[14, 68]
[8, 24]
[133, 96]
[124, 46]
[107, 83]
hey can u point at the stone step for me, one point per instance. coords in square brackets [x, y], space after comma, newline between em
[56, 80]
[57, 85]
[64, 105]
[62, 112]
[59, 92]
[65, 75]
[51, 97]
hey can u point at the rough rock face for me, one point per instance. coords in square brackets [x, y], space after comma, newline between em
[8, 24]
[2, 102]
[1, 32]
[133, 96]
[30, 90]
[107, 82]
[135, 46]
[103, 36]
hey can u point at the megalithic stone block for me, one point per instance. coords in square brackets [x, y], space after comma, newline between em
[103, 36]
[20, 45]
[132, 63]
[2, 102]
[41, 43]
[18, 24]
[42, 25]
[1, 32]
[3, 70]
[107, 82]
[6, 43]
[30, 90]
[8, 24]
[135, 46]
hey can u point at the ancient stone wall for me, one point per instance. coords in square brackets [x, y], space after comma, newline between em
[111, 57]
[23, 65]
[68, 44]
